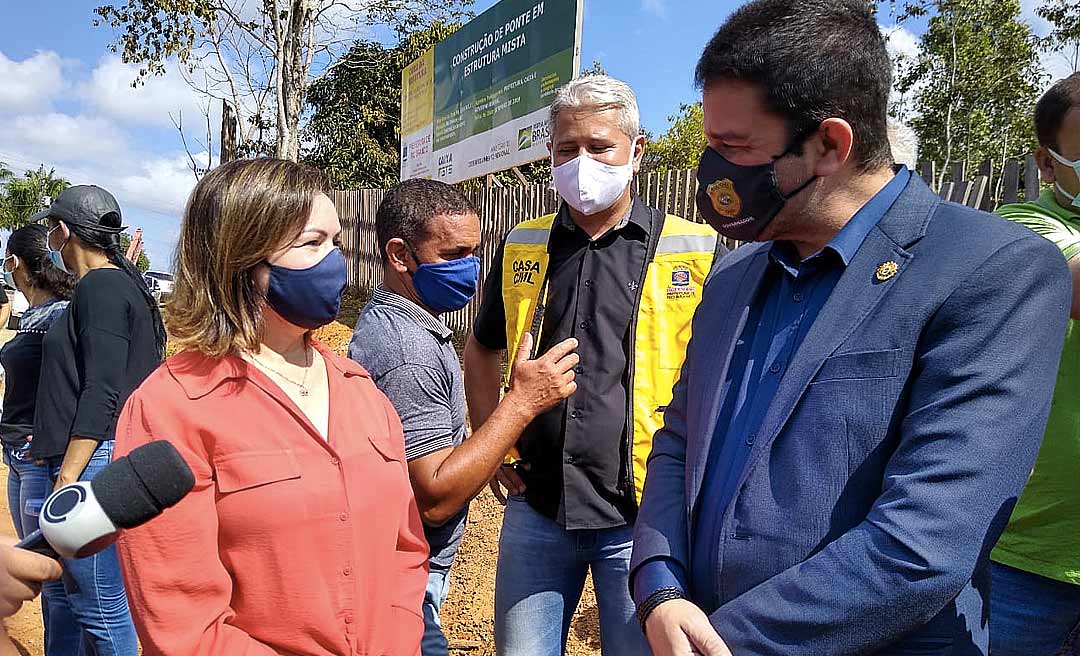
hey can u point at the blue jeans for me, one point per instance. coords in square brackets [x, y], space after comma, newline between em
[540, 577]
[28, 487]
[438, 585]
[95, 588]
[1031, 615]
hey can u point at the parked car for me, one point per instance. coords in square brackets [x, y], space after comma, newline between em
[160, 283]
[19, 304]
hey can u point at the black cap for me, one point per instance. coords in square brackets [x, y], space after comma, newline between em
[84, 205]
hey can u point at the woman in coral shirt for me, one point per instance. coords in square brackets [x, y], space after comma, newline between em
[301, 535]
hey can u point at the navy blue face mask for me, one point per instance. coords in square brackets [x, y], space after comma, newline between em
[310, 297]
[446, 286]
[740, 201]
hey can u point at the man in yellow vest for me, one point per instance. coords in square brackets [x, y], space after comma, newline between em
[623, 279]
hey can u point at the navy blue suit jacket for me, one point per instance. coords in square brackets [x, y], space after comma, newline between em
[894, 450]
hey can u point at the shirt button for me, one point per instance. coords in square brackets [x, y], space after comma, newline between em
[343, 517]
[588, 283]
[775, 368]
[348, 619]
[575, 414]
[570, 460]
[347, 571]
[750, 439]
[335, 462]
[584, 325]
[797, 297]
[579, 369]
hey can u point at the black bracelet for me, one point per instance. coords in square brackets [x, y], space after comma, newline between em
[655, 599]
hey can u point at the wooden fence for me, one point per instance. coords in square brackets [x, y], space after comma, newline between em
[501, 208]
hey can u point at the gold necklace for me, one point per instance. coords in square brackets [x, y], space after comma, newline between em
[303, 382]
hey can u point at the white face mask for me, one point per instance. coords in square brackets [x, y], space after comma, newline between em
[1074, 198]
[591, 186]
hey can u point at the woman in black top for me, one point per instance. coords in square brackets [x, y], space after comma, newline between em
[109, 340]
[26, 267]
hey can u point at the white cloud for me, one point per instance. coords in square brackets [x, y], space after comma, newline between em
[110, 93]
[30, 84]
[160, 185]
[58, 138]
[657, 7]
[900, 41]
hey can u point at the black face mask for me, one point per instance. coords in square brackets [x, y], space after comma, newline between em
[740, 201]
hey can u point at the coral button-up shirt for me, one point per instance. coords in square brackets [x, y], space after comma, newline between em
[289, 543]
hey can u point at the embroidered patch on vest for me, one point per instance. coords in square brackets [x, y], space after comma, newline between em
[682, 285]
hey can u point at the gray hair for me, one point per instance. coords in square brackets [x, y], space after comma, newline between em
[599, 93]
[904, 143]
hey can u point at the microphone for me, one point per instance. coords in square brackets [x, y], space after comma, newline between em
[83, 518]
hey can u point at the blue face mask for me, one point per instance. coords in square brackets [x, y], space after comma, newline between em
[446, 286]
[310, 297]
[56, 257]
[1075, 166]
[9, 276]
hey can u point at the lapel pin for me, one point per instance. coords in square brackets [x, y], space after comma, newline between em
[886, 270]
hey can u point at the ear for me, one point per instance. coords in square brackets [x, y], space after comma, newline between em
[639, 146]
[837, 139]
[1045, 162]
[398, 256]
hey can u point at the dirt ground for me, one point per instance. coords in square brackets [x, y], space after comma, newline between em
[467, 616]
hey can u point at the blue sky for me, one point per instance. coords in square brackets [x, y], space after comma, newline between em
[66, 101]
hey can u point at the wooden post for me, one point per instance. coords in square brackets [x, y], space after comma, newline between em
[927, 173]
[520, 176]
[1010, 192]
[228, 134]
[1032, 188]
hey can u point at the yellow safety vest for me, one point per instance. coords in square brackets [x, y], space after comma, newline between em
[679, 262]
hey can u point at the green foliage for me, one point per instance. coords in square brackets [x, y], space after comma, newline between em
[1064, 37]
[681, 146]
[974, 82]
[355, 124]
[143, 265]
[21, 197]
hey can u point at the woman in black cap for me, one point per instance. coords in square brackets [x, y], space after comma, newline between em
[109, 340]
[27, 268]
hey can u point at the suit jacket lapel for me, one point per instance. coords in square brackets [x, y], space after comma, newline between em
[722, 332]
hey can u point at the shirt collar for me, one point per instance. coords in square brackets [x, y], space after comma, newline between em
[385, 297]
[1048, 200]
[199, 375]
[847, 242]
[638, 214]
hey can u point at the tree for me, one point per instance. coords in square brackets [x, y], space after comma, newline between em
[1064, 37]
[681, 146]
[261, 56]
[355, 124]
[22, 197]
[143, 265]
[975, 81]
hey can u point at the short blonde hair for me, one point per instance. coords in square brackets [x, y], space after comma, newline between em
[599, 93]
[238, 215]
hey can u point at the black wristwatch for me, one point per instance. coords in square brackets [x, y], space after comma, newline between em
[654, 600]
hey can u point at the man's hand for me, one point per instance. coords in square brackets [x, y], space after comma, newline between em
[507, 477]
[537, 386]
[679, 628]
[21, 574]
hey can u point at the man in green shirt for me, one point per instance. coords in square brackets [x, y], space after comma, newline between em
[1035, 607]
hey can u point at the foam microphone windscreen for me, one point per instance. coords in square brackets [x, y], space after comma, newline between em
[135, 488]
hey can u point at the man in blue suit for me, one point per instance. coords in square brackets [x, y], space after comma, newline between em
[866, 387]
